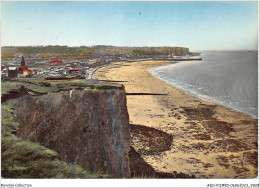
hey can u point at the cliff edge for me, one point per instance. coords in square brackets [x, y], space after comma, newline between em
[87, 127]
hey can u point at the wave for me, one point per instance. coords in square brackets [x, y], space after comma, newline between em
[157, 69]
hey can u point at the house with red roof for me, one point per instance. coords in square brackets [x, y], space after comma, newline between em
[28, 73]
[74, 71]
[56, 61]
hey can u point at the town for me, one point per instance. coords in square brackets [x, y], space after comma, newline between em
[39, 66]
[53, 68]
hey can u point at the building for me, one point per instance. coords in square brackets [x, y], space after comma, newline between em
[56, 61]
[4, 72]
[74, 71]
[28, 73]
[21, 69]
[22, 62]
[12, 72]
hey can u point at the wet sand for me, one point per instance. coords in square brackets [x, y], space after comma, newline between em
[206, 140]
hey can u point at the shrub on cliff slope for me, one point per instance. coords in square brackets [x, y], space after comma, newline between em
[25, 159]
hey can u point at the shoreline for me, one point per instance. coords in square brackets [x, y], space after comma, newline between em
[209, 140]
[197, 95]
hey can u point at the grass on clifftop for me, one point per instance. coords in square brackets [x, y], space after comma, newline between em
[36, 87]
[86, 86]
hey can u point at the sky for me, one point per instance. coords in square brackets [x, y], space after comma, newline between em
[200, 25]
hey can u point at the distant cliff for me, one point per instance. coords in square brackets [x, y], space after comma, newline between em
[87, 127]
[165, 50]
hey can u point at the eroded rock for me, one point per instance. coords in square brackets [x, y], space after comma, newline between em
[90, 128]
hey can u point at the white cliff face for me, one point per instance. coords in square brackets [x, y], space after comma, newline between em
[90, 128]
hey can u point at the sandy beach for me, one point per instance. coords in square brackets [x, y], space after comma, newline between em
[206, 140]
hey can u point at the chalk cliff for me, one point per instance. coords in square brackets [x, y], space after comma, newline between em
[87, 127]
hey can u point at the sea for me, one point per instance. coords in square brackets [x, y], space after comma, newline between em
[229, 78]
